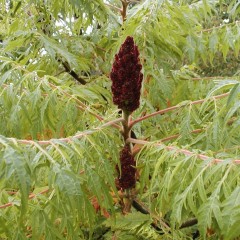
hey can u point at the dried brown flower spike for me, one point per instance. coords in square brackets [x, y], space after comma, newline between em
[126, 77]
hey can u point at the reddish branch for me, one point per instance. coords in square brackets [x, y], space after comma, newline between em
[111, 123]
[124, 9]
[68, 139]
[212, 78]
[220, 26]
[173, 108]
[178, 135]
[183, 151]
[231, 121]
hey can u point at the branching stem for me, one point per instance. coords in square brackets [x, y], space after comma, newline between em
[127, 203]
[72, 73]
[189, 223]
[173, 108]
[67, 139]
[220, 26]
[183, 151]
[124, 9]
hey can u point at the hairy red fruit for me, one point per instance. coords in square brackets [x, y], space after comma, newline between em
[126, 177]
[126, 77]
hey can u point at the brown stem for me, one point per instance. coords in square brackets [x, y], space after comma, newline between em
[67, 139]
[128, 202]
[178, 135]
[72, 73]
[143, 210]
[175, 107]
[182, 151]
[125, 123]
[139, 207]
[213, 78]
[130, 191]
[137, 148]
[124, 9]
[126, 134]
[189, 223]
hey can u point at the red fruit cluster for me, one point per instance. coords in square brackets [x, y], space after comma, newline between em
[126, 177]
[126, 77]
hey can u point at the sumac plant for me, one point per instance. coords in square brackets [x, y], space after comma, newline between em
[119, 119]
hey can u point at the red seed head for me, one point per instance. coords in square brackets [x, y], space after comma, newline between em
[126, 177]
[126, 77]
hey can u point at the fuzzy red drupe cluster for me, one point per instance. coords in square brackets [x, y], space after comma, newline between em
[126, 177]
[126, 77]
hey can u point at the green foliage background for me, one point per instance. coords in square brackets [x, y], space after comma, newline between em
[55, 140]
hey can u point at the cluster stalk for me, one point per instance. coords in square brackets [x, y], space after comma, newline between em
[126, 79]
